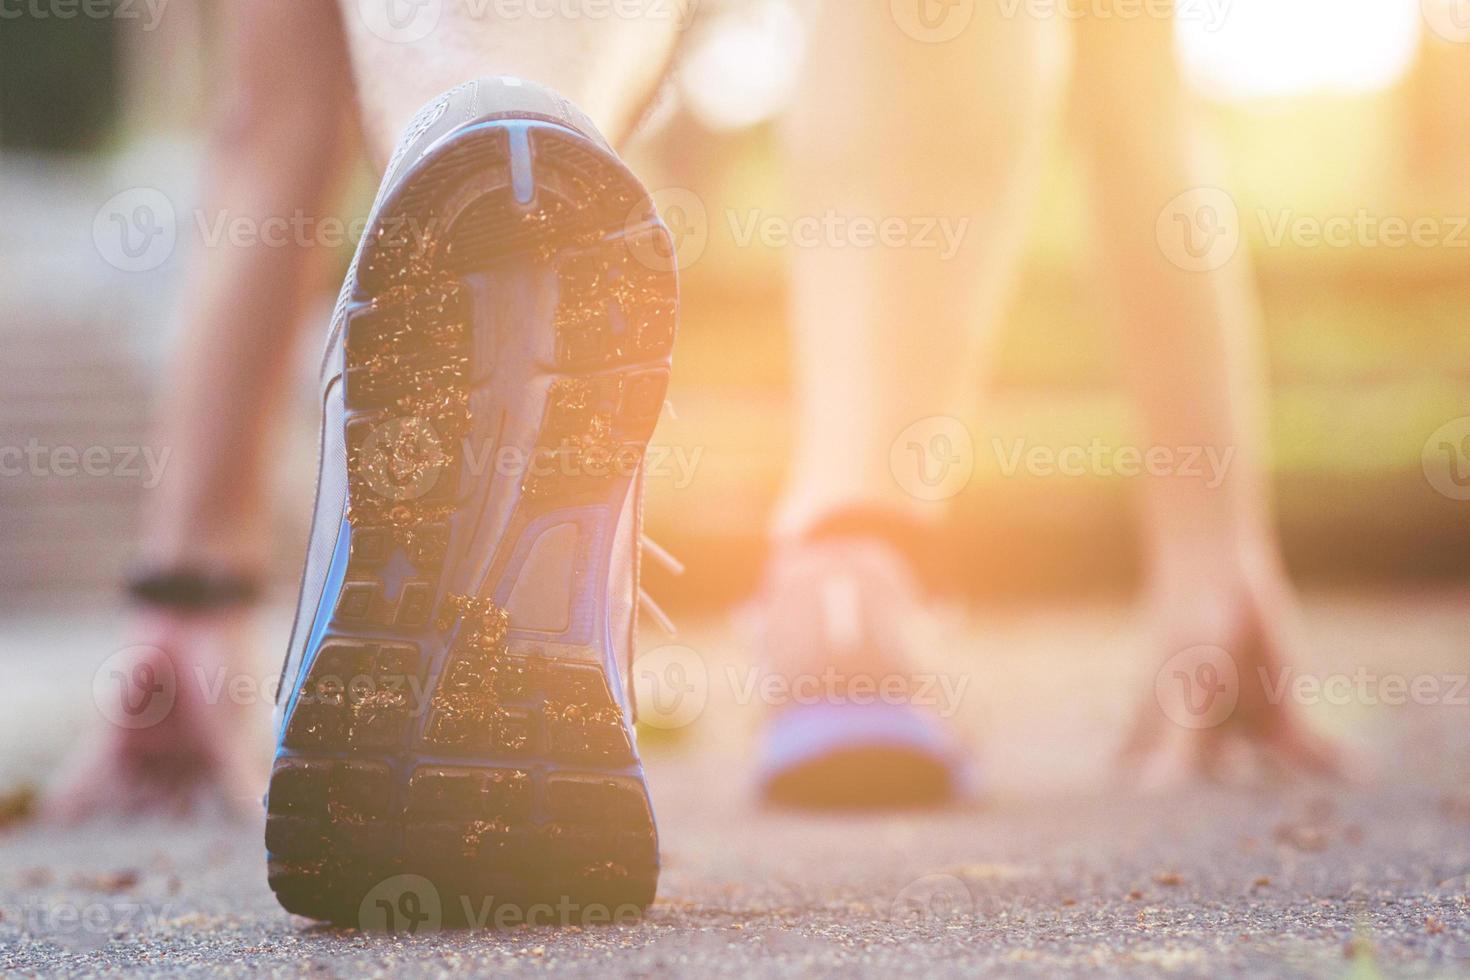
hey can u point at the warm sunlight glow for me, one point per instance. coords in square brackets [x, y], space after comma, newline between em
[742, 71]
[1249, 49]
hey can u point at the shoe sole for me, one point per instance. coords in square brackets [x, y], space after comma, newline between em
[516, 295]
[874, 779]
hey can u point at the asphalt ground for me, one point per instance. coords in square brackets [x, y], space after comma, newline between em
[1061, 868]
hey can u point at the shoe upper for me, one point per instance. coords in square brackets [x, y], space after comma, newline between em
[852, 722]
[844, 605]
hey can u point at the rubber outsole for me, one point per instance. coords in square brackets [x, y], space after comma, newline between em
[516, 295]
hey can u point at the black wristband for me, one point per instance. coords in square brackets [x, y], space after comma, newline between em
[927, 549]
[192, 590]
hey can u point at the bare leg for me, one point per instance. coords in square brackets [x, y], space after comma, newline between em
[274, 154]
[607, 65]
[888, 127]
[1190, 330]
[908, 136]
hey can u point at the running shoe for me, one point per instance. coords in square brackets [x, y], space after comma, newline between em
[454, 710]
[855, 727]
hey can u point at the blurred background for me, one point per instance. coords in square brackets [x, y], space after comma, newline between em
[1332, 114]
[1326, 110]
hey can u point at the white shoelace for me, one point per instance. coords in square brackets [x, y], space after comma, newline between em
[646, 602]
